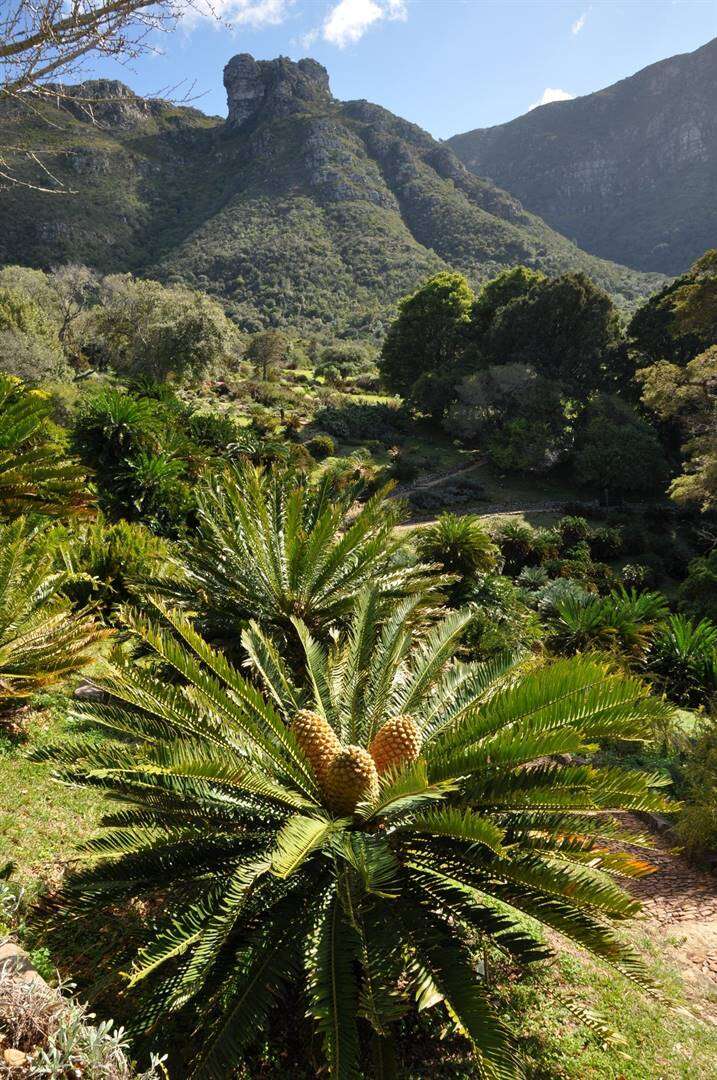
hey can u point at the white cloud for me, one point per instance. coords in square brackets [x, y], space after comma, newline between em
[307, 40]
[349, 20]
[551, 93]
[579, 23]
[254, 13]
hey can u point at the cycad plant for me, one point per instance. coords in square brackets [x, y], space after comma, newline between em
[36, 476]
[460, 545]
[623, 622]
[684, 657]
[359, 838]
[41, 639]
[271, 545]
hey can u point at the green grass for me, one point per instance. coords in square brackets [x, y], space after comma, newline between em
[669, 1038]
[42, 823]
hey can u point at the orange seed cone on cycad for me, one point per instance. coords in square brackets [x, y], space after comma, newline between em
[317, 739]
[350, 778]
[396, 744]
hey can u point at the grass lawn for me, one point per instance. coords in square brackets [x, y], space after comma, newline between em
[42, 822]
[647, 1038]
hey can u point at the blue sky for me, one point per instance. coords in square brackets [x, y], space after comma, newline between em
[448, 65]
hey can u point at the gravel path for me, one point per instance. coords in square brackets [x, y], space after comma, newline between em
[680, 906]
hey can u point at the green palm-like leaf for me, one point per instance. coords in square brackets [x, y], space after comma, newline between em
[333, 990]
[219, 815]
[273, 548]
[41, 639]
[35, 476]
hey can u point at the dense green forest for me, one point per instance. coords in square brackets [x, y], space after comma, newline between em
[342, 679]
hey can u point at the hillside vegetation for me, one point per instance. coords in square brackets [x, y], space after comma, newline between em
[628, 173]
[354, 646]
[309, 212]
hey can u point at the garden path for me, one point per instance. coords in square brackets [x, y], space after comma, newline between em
[680, 908]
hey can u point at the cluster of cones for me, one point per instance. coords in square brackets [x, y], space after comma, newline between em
[350, 774]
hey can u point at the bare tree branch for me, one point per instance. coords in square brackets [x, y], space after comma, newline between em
[43, 43]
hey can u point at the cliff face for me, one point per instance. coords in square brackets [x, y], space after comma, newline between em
[629, 173]
[297, 209]
[280, 86]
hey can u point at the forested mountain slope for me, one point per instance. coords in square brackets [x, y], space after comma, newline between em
[297, 209]
[629, 173]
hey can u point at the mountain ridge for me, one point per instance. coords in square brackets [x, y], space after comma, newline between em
[629, 172]
[298, 209]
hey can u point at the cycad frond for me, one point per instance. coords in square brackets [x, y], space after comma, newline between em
[41, 639]
[35, 476]
[332, 986]
[272, 547]
[223, 817]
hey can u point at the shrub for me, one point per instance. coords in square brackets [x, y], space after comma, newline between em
[606, 543]
[532, 577]
[546, 545]
[321, 446]
[41, 640]
[698, 592]
[110, 426]
[697, 823]
[501, 621]
[517, 544]
[283, 861]
[110, 557]
[550, 596]
[579, 552]
[356, 421]
[623, 622]
[572, 529]
[368, 383]
[684, 658]
[460, 545]
[141, 457]
[217, 431]
[59, 1036]
[522, 545]
[36, 475]
[271, 546]
[594, 576]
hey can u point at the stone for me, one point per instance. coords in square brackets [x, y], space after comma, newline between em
[87, 691]
[281, 86]
[15, 961]
[14, 1058]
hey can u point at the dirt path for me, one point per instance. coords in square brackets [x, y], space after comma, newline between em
[403, 491]
[680, 906]
[510, 506]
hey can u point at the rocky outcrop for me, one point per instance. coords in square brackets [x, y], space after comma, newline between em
[629, 173]
[297, 210]
[280, 86]
[109, 103]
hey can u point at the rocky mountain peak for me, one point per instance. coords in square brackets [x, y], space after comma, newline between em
[282, 86]
[106, 102]
[627, 172]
